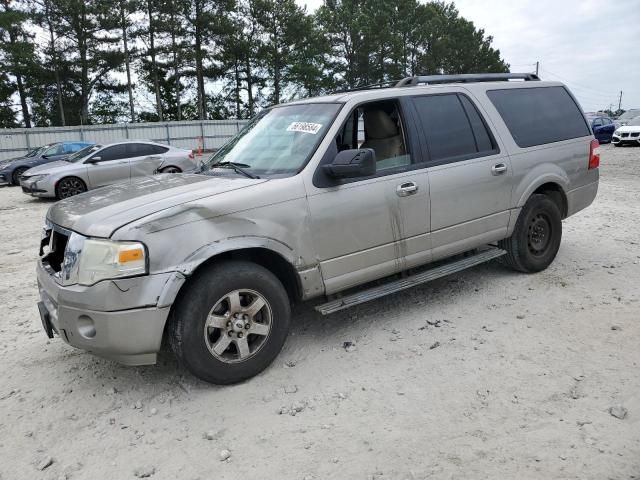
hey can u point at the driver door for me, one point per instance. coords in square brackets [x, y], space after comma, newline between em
[368, 228]
[112, 167]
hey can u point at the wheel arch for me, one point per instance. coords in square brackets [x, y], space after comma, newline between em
[553, 183]
[269, 253]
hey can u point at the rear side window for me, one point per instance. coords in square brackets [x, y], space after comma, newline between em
[116, 152]
[453, 127]
[157, 149]
[536, 116]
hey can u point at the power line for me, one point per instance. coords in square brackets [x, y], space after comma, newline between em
[576, 84]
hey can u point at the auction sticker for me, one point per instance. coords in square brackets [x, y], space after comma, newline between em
[304, 127]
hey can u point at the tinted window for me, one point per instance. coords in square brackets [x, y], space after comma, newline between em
[157, 149]
[597, 122]
[140, 149]
[540, 115]
[115, 152]
[607, 121]
[484, 142]
[453, 127]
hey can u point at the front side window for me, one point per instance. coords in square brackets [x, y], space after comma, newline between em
[453, 128]
[539, 115]
[55, 150]
[376, 125]
[278, 141]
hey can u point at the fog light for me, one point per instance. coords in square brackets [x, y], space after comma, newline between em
[86, 327]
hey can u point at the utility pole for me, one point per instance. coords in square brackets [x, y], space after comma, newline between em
[620, 101]
[537, 66]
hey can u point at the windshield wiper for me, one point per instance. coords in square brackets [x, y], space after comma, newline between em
[238, 167]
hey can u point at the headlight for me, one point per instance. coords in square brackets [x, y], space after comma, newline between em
[88, 260]
[105, 259]
[35, 178]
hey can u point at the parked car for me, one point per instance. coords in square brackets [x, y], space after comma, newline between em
[100, 165]
[627, 116]
[454, 169]
[629, 134]
[11, 170]
[602, 126]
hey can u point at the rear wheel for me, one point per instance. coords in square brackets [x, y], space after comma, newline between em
[17, 173]
[70, 186]
[230, 323]
[536, 237]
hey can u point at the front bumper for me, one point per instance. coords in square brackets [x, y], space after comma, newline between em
[116, 319]
[38, 188]
[5, 178]
[629, 140]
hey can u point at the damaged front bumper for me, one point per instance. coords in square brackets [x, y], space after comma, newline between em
[122, 320]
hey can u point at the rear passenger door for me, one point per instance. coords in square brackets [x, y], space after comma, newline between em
[469, 175]
[145, 158]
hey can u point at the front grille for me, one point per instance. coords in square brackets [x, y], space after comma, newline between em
[57, 242]
[624, 135]
[635, 134]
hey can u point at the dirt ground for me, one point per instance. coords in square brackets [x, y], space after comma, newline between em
[483, 374]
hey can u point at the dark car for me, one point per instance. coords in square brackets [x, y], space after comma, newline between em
[602, 126]
[12, 169]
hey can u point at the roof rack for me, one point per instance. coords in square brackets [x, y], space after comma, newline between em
[465, 78]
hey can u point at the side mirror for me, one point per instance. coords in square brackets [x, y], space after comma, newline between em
[353, 163]
[94, 160]
[45, 156]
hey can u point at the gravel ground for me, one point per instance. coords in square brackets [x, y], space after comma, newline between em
[484, 374]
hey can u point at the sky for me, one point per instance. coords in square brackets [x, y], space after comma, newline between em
[592, 46]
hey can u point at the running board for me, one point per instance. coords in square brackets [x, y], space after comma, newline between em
[410, 281]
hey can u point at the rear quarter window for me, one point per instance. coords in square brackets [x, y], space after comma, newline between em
[540, 115]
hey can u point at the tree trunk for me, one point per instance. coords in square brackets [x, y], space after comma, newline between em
[56, 66]
[249, 86]
[199, 67]
[126, 61]
[176, 70]
[21, 90]
[154, 69]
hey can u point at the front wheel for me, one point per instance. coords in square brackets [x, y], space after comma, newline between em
[536, 237]
[230, 323]
[70, 186]
[170, 169]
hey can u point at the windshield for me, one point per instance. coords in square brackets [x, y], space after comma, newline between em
[85, 152]
[279, 140]
[37, 151]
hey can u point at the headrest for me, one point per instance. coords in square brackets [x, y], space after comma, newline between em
[378, 124]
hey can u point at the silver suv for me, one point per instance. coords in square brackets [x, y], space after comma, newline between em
[361, 194]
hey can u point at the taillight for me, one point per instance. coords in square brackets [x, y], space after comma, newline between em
[594, 154]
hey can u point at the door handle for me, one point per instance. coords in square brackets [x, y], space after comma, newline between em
[498, 169]
[406, 189]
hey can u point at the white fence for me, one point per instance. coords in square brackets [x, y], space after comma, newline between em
[207, 134]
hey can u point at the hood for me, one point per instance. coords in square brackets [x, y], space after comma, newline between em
[7, 161]
[628, 129]
[101, 212]
[52, 167]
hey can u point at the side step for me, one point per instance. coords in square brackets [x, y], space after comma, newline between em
[410, 281]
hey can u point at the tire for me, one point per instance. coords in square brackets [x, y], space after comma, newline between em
[205, 334]
[171, 169]
[619, 144]
[69, 186]
[536, 237]
[17, 173]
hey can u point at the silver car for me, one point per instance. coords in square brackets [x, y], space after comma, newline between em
[339, 199]
[100, 165]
